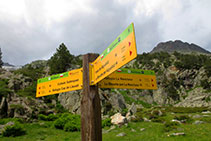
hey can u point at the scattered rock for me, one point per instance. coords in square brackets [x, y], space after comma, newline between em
[142, 129]
[198, 122]
[133, 130]
[111, 128]
[121, 134]
[147, 120]
[197, 116]
[174, 120]
[206, 112]
[118, 119]
[176, 134]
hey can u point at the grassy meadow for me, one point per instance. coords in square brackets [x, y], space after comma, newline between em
[158, 129]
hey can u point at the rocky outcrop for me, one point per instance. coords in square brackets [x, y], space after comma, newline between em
[196, 98]
[71, 101]
[18, 81]
[178, 46]
[14, 106]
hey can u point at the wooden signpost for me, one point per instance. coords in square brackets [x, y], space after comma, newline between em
[100, 70]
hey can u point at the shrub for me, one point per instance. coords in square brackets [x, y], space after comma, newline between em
[13, 130]
[106, 123]
[168, 126]
[74, 124]
[42, 117]
[4, 90]
[6, 120]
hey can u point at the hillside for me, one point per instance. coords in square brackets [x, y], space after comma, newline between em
[184, 80]
[179, 46]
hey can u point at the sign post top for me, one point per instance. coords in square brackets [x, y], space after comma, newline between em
[121, 51]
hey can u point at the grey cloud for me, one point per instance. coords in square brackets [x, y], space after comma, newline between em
[85, 32]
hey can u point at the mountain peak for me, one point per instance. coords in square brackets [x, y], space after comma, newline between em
[179, 46]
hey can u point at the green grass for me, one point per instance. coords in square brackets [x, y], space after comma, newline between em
[154, 131]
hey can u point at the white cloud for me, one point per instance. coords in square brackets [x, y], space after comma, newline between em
[33, 29]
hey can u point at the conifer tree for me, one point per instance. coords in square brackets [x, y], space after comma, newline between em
[61, 60]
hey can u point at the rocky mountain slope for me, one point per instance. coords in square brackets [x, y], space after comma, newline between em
[183, 80]
[179, 46]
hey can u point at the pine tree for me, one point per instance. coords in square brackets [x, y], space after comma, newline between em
[1, 62]
[61, 60]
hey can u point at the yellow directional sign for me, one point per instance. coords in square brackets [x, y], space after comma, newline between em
[67, 81]
[121, 51]
[130, 79]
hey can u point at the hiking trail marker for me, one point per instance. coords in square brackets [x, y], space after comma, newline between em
[59, 83]
[121, 51]
[100, 70]
[130, 79]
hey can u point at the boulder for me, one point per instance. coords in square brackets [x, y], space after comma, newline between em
[118, 119]
[71, 101]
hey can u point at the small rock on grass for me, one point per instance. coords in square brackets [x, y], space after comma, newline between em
[121, 134]
[176, 134]
[198, 122]
[142, 129]
[133, 130]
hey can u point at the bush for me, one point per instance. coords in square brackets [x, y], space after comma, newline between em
[106, 123]
[74, 124]
[14, 130]
[50, 117]
[6, 120]
[4, 90]
[168, 126]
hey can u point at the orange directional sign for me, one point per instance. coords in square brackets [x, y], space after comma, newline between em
[121, 51]
[64, 82]
[130, 79]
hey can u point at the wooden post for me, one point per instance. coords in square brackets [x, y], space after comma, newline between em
[90, 105]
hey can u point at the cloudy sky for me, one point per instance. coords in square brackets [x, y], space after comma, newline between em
[33, 29]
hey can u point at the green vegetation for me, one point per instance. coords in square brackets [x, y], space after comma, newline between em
[130, 100]
[192, 61]
[1, 62]
[4, 90]
[135, 131]
[29, 91]
[30, 71]
[61, 60]
[106, 122]
[50, 117]
[68, 122]
[14, 130]
[146, 59]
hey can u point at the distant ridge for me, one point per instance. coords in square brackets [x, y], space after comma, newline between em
[179, 46]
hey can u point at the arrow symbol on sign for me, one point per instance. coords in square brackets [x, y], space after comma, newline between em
[119, 70]
[129, 43]
[102, 56]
